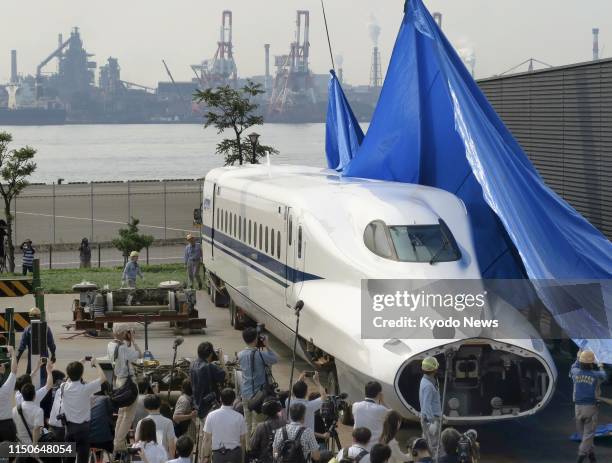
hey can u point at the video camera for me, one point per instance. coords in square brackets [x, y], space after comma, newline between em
[331, 408]
[261, 337]
[468, 449]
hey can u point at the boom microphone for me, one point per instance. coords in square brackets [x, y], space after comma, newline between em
[178, 341]
[299, 305]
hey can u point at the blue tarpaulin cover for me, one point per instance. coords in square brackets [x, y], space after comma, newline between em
[433, 126]
[343, 134]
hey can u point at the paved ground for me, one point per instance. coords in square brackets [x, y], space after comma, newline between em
[542, 438]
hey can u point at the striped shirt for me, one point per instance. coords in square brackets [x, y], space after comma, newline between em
[28, 256]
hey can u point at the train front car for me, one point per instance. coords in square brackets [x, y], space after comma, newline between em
[335, 243]
[373, 237]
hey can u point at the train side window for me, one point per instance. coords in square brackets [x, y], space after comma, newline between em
[244, 233]
[266, 240]
[290, 231]
[255, 234]
[235, 226]
[239, 228]
[272, 242]
[299, 242]
[217, 217]
[260, 237]
[225, 222]
[278, 244]
[250, 225]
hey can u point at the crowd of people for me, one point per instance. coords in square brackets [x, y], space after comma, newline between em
[209, 423]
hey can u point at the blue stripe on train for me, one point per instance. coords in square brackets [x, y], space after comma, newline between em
[247, 255]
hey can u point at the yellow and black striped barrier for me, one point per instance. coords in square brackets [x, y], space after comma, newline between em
[21, 320]
[15, 287]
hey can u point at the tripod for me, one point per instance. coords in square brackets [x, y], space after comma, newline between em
[333, 443]
[299, 305]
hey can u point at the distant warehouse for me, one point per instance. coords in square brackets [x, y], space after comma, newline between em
[562, 117]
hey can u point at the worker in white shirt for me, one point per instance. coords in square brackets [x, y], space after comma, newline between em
[371, 412]
[27, 379]
[75, 406]
[225, 432]
[164, 426]
[300, 392]
[8, 433]
[184, 449]
[28, 417]
[122, 351]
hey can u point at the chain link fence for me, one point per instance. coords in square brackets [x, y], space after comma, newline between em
[57, 217]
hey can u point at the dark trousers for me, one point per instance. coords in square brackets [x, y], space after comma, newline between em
[26, 268]
[227, 456]
[59, 433]
[8, 432]
[79, 433]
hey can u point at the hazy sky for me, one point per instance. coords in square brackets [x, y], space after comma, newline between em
[140, 33]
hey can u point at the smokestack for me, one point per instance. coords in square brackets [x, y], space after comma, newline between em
[13, 66]
[267, 48]
[438, 19]
[595, 43]
[340, 63]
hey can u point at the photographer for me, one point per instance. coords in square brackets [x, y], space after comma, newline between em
[450, 443]
[185, 412]
[371, 412]
[225, 432]
[7, 425]
[261, 441]
[122, 351]
[205, 379]
[254, 361]
[586, 379]
[27, 261]
[75, 406]
[300, 391]
[420, 451]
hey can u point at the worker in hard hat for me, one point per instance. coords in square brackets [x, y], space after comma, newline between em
[431, 407]
[587, 376]
[131, 271]
[26, 343]
[193, 261]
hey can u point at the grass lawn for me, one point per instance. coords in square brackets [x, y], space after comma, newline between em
[58, 281]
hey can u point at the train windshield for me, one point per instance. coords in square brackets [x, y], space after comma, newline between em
[412, 243]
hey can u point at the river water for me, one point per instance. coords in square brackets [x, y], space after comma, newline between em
[80, 153]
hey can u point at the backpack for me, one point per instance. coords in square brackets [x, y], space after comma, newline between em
[266, 453]
[346, 459]
[290, 450]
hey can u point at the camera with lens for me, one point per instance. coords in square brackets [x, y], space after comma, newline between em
[331, 408]
[468, 449]
[261, 337]
[62, 419]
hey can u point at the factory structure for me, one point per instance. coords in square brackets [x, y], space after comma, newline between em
[69, 86]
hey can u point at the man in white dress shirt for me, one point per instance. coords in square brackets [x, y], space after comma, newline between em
[225, 432]
[75, 397]
[8, 433]
[28, 417]
[370, 413]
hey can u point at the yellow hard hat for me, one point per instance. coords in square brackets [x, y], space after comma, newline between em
[430, 364]
[587, 356]
[134, 254]
[34, 312]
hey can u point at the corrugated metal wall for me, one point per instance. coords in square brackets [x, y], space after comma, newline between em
[562, 117]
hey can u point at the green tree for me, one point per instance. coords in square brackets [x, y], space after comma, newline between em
[233, 109]
[130, 240]
[15, 167]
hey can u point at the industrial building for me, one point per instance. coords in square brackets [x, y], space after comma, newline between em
[562, 117]
[77, 90]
